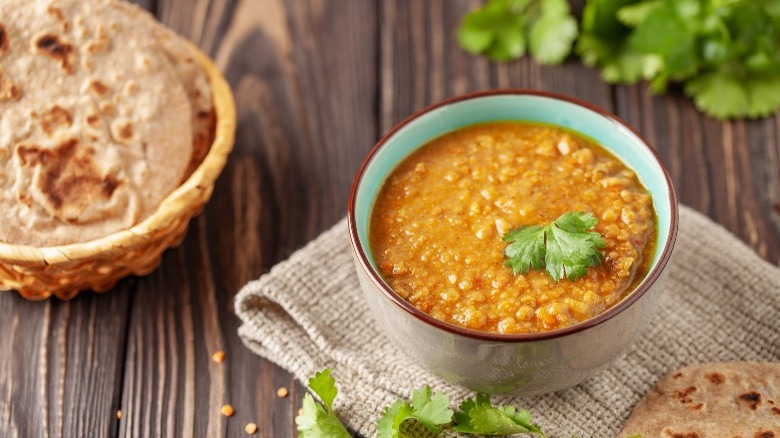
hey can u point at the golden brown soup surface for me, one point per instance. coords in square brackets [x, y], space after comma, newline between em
[437, 225]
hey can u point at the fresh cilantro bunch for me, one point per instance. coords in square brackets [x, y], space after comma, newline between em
[429, 412]
[506, 29]
[479, 416]
[725, 53]
[566, 247]
[318, 420]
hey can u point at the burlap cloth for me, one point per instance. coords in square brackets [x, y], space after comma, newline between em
[722, 303]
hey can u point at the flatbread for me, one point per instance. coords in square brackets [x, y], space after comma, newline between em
[714, 400]
[190, 74]
[95, 123]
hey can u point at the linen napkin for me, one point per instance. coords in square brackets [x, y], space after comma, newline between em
[722, 303]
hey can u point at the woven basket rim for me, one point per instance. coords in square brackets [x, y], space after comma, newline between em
[188, 193]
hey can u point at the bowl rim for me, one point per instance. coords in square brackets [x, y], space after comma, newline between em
[649, 280]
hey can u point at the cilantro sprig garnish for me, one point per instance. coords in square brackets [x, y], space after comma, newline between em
[507, 29]
[430, 409]
[566, 247]
[478, 416]
[318, 420]
[725, 54]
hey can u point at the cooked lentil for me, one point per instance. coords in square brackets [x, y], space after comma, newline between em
[437, 225]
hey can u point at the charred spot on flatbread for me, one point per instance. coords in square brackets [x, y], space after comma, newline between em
[764, 434]
[99, 43]
[122, 130]
[55, 118]
[715, 378]
[59, 16]
[752, 399]
[689, 434]
[98, 87]
[57, 48]
[683, 395]
[3, 39]
[8, 89]
[93, 120]
[68, 178]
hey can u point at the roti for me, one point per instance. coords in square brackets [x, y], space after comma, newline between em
[714, 400]
[95, 124]
[190, 74]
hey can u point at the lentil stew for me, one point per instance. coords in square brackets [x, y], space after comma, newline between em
[437, 225]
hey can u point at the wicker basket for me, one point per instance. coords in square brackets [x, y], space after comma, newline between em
[63, 271]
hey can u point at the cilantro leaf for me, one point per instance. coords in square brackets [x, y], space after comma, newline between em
[603, 42]
[431, 410]
[389, 424]
[479, 416]
[552, 35]
[324, 386]
[565, 247]
[318, 421]
[527, 249]
[315, 422]
[428, 408]
[723, 94]
[494, 30]
[505, 29]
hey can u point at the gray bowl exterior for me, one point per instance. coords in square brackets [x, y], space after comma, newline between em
[524, 367]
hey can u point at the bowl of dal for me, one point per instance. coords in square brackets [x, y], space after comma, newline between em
[512, 240]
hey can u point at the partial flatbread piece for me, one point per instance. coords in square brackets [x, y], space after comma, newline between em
[190, 74]
[95, 124]
[714, 400]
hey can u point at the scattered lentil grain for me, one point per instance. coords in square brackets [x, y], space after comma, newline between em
[226, 410]
[282, 392]
[250, 428]
[218, 356]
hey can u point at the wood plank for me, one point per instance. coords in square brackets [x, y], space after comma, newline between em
[304, 77]
[422, 63]
[61, 363]
[727, 170]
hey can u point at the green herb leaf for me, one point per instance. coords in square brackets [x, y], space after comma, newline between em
[324, 386]
[389, 424]
[430, 409]
[552, 36]
[479, 416]
[504, 29]
[604, 42]
[565, 247]
[318, 421]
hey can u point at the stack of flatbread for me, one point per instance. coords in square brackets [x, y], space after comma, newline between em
[715, 400]
[103, 112]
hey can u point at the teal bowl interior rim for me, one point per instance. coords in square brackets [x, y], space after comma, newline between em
[663, 251]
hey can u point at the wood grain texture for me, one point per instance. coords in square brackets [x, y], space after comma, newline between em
[304, 77]
[727, 170]
[61, 364]
[316, 83]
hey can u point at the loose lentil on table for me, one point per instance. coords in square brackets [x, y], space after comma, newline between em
[437, 224]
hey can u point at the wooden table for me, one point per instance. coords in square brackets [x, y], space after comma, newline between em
[316, 83]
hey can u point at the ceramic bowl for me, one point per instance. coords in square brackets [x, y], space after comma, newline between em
[528, 364]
